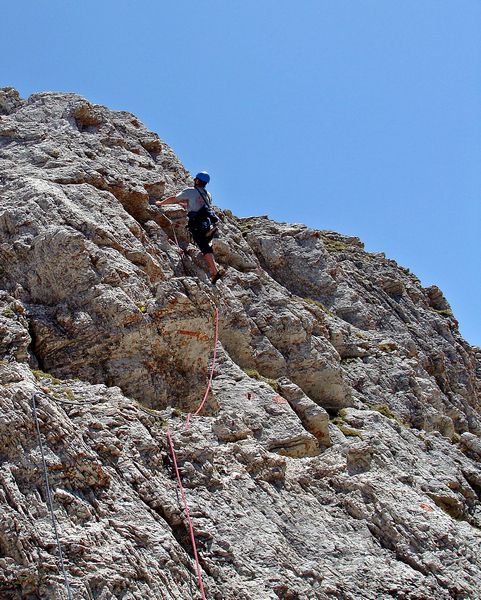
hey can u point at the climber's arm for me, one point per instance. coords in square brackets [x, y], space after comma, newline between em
[172, 200]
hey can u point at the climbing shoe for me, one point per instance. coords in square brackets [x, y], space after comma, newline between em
[220, 273]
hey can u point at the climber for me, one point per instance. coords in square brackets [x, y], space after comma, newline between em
[202, 219]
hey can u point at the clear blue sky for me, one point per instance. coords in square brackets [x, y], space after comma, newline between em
[361, 116]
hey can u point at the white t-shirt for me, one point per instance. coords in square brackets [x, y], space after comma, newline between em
[194, 199]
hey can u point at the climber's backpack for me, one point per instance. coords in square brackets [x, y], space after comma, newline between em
[200, 221]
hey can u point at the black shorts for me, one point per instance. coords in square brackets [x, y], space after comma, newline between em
[205, 246]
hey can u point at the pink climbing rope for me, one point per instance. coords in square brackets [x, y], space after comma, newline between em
[191, 527]
[174, 456]
[214, 358]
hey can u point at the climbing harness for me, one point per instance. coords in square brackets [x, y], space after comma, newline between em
[49, 499]
[203, 220]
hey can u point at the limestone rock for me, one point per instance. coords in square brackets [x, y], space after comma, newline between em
[338, 453]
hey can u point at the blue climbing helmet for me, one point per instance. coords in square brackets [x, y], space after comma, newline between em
[203, 176]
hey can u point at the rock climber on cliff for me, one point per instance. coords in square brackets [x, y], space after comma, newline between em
[202, 219]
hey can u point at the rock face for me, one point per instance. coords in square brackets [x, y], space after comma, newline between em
[338, 453]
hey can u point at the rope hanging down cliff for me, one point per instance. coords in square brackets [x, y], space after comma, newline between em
[174, 456]
[49, 499]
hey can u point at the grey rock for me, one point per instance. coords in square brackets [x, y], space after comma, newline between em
[338, 451]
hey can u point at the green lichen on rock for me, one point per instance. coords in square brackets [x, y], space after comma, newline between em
[245, 226]
[334, 245]
[42, 375]
[254, 374]
[445, 312]
[62, 394]
[70, 394]
[152, 413]
[384, 410]
[387, 346]
[346, 429]
[319, 305]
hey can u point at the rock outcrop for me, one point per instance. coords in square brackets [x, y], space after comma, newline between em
[338, 453]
